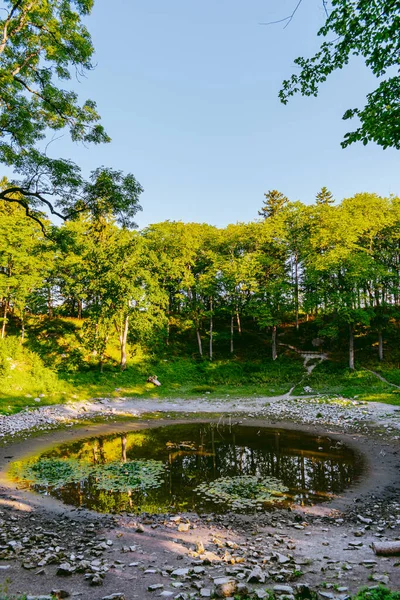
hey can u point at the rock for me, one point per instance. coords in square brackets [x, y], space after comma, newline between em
[225, 587]
[205, 593]
[243, 589]
[281, 558]
[261, 594]
[200, 547]
[65, 569]
[116, 596]
[155, 586]
[96, 580]
[165, 594]
[380, 578]
[283, 589]
[256, 576]
[364, 520]
[184, 527]
[60, 594]
[180, 573]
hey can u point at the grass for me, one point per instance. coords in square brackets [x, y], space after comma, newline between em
[332, 378]
[52, 367]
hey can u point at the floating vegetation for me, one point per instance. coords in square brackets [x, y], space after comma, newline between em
[114, 476]
[243, 492]
[134, 475]
[54, 472]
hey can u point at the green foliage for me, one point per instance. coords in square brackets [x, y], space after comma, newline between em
[366, 29]
[377, 593]
[52, 472]
[44, 44]
[135, 475]
[243, 492]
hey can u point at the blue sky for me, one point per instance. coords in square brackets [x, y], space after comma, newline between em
[188, 92]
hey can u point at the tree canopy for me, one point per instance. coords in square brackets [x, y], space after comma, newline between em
[366, 29]
[42, 45]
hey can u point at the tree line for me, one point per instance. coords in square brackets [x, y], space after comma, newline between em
[338, 264]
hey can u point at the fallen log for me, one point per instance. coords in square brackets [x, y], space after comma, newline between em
[386, 548]
[154, 380]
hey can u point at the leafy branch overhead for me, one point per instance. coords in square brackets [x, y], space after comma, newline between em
[365, 29]
[43, 44]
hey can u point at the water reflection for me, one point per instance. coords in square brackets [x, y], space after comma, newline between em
[313, 468]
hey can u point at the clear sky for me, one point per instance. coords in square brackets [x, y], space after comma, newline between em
[188, 91]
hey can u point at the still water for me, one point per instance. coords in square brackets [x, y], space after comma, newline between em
[171, 462]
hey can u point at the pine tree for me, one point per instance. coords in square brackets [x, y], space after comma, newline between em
[273, 203]
[325, 197]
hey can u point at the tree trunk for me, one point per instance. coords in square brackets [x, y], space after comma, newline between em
[3, 329]
[22, 326]
[232, 334]
[79, 309]
[211, 328]
[351, 347]
[274, 351]
[380, 336]
[238, 321]
[296, 288]
[123, 338]
[199, 342]
[49, 304]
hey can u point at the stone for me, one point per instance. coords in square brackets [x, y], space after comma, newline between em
[243, 589]
[283, 589]
[205, 593]
[96, 581]
[183, 527]
[281, 558]
[65, 569]
[256, 576]
[60, 594]
[180, 573]
[165, 594]
[200, 547]
[116, 596]
[155, 586]
[225, 587]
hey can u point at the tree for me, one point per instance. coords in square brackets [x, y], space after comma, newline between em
[273, 203]
[24, 262]
[370, 30]
[41, 45]
[324, 197]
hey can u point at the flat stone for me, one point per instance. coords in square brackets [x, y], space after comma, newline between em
[116, 596]
[180, 573]
[283, 589]
[155, 587]
[205, 593]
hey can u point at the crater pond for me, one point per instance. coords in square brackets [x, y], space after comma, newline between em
[201, 467]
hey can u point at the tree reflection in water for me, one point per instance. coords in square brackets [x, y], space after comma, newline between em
[313, 468]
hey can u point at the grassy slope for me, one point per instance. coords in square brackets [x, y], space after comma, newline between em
[50, 364]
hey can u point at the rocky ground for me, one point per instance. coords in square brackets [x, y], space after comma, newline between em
[348, 414]
[324, 552]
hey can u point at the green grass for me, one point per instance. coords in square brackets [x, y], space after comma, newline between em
[53, 366]
[335, 378]
[25, 376]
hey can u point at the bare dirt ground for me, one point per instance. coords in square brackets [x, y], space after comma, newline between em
[47, 546]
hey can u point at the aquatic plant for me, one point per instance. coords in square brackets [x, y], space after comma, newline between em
[133, 475]
[243, 492]
[54, 472]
